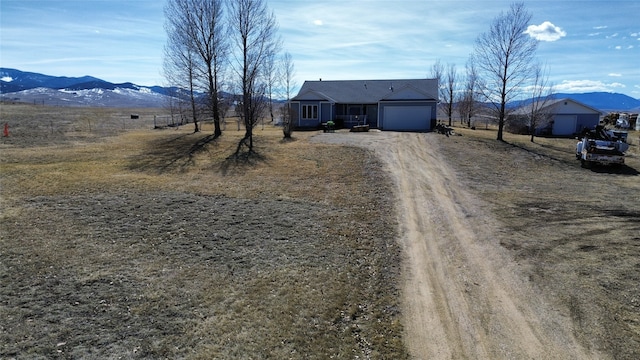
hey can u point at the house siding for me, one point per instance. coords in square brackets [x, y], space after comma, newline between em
[326, 112]
[583, 121]
[565, 117]
[585, 117]
[309, 123]
[587, 121]
[372, 115]
[295, 113]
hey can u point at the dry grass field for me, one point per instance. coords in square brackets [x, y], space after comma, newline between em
[135, 243]
[576, 232]
[121, 241]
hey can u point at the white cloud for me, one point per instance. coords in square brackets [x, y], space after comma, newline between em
[545, 32]
[579, 86]
[618, 47]
[600, 27]
[615, 74]
[317, 22]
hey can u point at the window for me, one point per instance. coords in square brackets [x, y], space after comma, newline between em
[309, 112]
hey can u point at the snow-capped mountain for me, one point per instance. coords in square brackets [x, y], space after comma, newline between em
[12, 80]
[118, 97]
[16, 85]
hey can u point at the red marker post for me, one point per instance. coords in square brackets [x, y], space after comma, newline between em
[6, 130]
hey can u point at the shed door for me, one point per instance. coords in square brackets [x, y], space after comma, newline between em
[407, 118]
[564, 124]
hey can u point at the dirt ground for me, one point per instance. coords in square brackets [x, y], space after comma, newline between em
[482, 284]
[118, 241]
[158, 244]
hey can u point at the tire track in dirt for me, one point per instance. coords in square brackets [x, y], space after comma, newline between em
[463, 297]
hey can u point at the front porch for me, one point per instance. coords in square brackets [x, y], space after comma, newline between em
[349, 121]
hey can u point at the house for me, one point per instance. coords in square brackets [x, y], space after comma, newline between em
[559, 117]
[401, 105]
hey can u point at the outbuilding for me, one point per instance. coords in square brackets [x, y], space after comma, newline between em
[559, 117]
[399, 105]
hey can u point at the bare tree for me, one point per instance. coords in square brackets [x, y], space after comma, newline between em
[208, 39]
[450, 83]
[504, 57]
[199, 26]
[177, 104]
[271, 78]
[287, 72]
[447, 79]
[468, 97]
[541, 96]
[437, 72]
[179, 64]
[254, 32]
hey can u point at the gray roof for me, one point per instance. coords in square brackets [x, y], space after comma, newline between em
[549, 104]
[366, 91]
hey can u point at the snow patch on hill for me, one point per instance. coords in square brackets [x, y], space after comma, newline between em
[118, 97]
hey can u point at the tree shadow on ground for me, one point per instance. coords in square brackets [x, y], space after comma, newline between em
[177, 154]
[537, 153]
[240, 162]
[554, 148]
[173, 154]
[611, 169]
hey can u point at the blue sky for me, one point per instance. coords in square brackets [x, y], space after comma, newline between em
[586, 45]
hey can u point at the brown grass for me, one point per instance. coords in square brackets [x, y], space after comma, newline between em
[146, 243]
[117, 240]
[577, 231]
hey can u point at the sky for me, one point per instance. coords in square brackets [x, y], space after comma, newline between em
[584, 45]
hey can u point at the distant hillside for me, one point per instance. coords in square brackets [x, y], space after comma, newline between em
[119, 98]
[16, 85]
[12, 80]
[604, 101]
[19, 85]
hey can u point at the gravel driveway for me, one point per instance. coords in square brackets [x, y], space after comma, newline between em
[463, 296]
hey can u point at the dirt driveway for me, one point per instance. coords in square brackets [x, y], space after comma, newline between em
[463, 295]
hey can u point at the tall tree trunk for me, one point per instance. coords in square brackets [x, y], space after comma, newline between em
[193, 102]
[501, 121]
[213, 100]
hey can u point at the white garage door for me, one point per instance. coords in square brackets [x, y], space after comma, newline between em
[564, 124]
[407, 118]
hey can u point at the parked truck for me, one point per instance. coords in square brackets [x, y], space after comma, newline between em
[602, 147]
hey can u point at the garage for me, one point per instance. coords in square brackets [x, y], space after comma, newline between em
[397, 104]
[406, 118]
[564, 125]
[562, 117]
